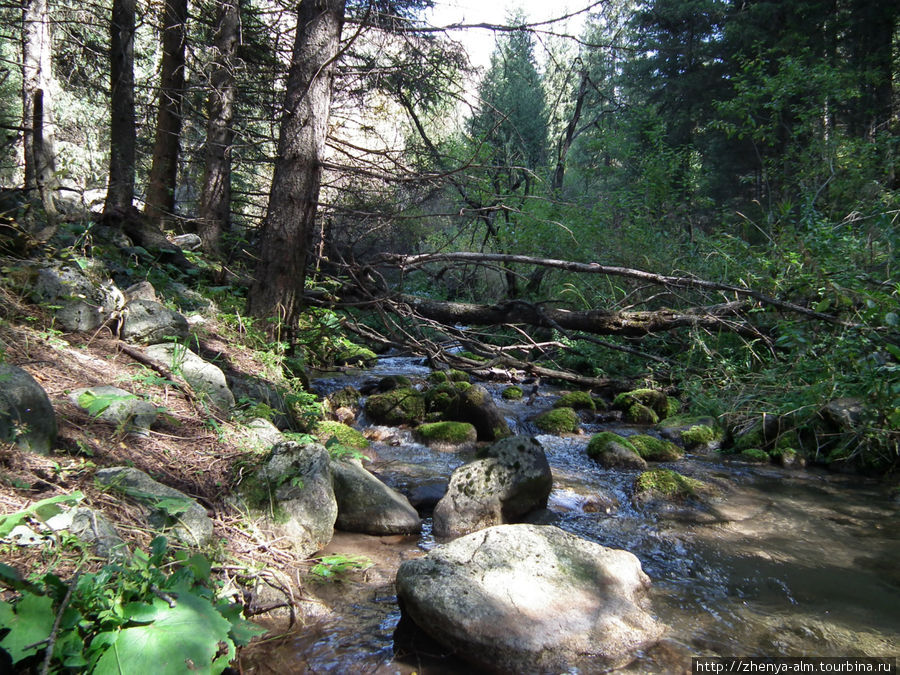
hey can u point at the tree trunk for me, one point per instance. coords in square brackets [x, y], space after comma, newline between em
[37, 107]
[278, 287]
[122, 133]
[215, 199]
[160, 199]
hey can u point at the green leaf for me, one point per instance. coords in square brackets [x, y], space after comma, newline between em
[173, 506]
[184, 637]
[9, 521]
[30, 621]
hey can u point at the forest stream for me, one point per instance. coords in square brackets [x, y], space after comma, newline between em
[786, 563]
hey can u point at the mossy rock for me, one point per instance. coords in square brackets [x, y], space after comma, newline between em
[655, 449]
[666, 484]
[756, 455]
[399, 406]
[638, 413]
[356, 355]
[700, 435]
[558, 421]
[458, 376]
[577, 400]
[348, 397]
[512, 393]
[442, 434]
[438, 376]
[613, 451]
[656, 400]
[442, 398]
[345, 435]
[391, 382]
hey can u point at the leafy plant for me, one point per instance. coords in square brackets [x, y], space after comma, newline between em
[44, 509]
[159, 608]
[332, 567]
[338, 450]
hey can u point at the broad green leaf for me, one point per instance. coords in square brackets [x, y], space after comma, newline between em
[30, 621]
[9, 521]
[184, 637]
[173, 506]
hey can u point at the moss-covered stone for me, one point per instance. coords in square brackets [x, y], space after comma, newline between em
[700, 434]
[638, 413]
[614, 451]
[755, 455]
[356, 355]
[655, 449]
[657, 401]
[558, 421]
[512, 393]
[390, 382]
[447, 433]
[399, 406]
[673, 406]
[345, 435]
[348, 397]
[666, 484]
[577, 400]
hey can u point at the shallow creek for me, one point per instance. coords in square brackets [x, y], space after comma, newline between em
[784, 563]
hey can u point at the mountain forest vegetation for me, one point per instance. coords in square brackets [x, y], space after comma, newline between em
[699, 196]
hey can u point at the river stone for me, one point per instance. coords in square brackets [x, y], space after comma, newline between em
[297, 477]
[204, 377]
[531, 599]
[367, 505]
[191, 526]
[513, 479]
[79, 303]
[26, 414]
[612, 451]
[123, 408]
[150, 321]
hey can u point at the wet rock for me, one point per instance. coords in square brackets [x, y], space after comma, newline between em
[655, 449]
[448, 436]
[465, 402]
[26, 414]
[79, 304]
[527, 598]
[149, 321]
[511, 480]
[168, 509]
[294, 496]
[117, 406]
[367, 505]
[425, 495]
[667, 486]
[204, 377]
[612, 451]
[557, 421]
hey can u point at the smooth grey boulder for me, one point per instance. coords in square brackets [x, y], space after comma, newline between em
[294, 494]
[367, 505]
[90, 526]
[188, 241]
[119, 407]
[203, 376]
[150, 321]
[26, 414]
[531, 599]
[169, 510]
[264, 432]
[79, 303]
[513, 479]
[142, 290]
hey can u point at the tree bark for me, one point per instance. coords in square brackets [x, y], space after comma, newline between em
[160, 198]
[214, 211]
[277, 290]
[122, 132]
[37, 107]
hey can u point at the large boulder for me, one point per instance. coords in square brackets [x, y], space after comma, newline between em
[531, 599]
[203, 376]
[116, 406]
[367, 505]
[26, 415]
[612, 451]
[167, 509]
[79, 304]
[447, 436]
[149, 321]
[293, 494]
[510, 481]
[403, 405]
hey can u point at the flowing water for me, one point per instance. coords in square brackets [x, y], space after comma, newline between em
[782, 563]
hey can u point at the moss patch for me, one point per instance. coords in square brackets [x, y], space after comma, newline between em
[454, 433]
[599, 442]
[399, 406]
[654, 449]
[755, 455]
[666, 484]
[393, 382]
[700, 434]
[345, 435]
[577, 400]
[513, 393]
[356, 355]
[348, 397]
[638, 413]
[655, 400]
[558, 421]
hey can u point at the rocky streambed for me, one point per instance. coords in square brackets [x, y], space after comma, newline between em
[774, 562]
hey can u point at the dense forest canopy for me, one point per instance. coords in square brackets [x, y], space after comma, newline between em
[728, 168]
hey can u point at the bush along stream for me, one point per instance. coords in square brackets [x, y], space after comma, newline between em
[555, 528]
